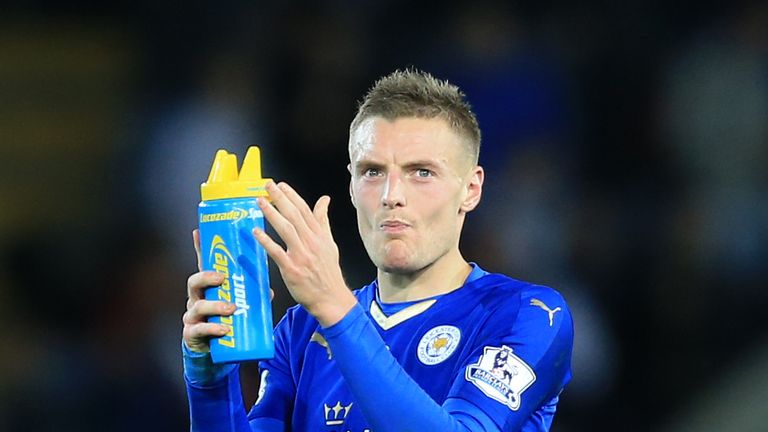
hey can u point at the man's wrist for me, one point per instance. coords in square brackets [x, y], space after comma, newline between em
[199, 369]
[330, 313]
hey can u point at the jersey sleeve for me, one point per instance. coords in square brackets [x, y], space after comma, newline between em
[215, 396]
[360, 353]
[216, 405]
[521, 363]
[533, 367]
[274, 406]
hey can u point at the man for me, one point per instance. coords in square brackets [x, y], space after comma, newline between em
[434, 343]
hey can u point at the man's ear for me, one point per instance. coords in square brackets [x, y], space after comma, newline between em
[474, 190]
[351, 193]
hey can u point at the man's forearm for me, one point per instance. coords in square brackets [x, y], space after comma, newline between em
[395, 402]
[215, 397]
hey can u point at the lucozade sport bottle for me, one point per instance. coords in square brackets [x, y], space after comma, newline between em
[228, 213]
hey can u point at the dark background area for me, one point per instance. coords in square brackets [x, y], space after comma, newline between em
[625, 146]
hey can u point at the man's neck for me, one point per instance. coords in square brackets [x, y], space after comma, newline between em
[443, 276]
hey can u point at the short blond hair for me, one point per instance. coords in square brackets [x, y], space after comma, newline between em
[415, 93]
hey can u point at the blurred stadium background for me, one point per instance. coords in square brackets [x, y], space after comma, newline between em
[625, 143]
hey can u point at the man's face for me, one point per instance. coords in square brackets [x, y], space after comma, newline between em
[412, 184]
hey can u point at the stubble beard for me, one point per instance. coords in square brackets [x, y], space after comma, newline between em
[394, 258]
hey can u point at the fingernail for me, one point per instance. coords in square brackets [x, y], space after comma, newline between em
[257, 231]
[283, 187]
[224, 330]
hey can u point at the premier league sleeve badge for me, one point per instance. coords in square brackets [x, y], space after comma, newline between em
[501, 375]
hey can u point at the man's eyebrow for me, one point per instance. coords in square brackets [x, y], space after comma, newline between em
[367, 163]
[419, 163]
[425, 163]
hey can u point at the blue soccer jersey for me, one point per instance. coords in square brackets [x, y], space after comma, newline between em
[492, 355]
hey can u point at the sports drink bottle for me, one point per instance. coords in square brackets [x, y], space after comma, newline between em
[228, 213]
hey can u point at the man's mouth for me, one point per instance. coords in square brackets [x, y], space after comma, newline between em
[394, 226]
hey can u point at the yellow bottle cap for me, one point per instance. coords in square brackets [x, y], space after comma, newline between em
[225, 182]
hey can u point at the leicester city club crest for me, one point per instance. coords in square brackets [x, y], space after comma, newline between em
[438, 344]
[501, 375]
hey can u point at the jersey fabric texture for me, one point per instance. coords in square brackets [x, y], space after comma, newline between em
[493, 355]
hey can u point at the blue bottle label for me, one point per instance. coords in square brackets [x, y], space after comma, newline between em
[228, 247]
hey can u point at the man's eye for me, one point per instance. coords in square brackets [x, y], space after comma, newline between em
[423, 172]
[371, 172]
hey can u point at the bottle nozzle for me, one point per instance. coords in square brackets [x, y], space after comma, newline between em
[224, 181]
[251, 170]
[224, 167]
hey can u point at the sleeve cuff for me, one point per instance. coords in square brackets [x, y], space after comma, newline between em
[201, 371]
[357, 312]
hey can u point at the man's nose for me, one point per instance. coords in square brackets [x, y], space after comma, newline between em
[393, 194]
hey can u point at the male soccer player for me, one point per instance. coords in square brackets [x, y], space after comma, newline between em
[435, 343]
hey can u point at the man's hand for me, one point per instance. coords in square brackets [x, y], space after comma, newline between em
[197, 331]
[309, 264]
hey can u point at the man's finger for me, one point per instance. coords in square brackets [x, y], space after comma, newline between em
[202, 309]
[301, 206]
[274, 250]
[196, 241]
[284, 228]
[199, 282]
[320, 212]
[287, 208]
[203, 330]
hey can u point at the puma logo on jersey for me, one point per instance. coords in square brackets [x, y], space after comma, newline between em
[317, 337]
[550, 312]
